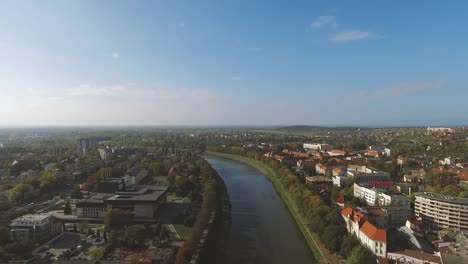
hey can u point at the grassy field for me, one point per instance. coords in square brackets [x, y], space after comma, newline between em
[317, 247]
[183, 231]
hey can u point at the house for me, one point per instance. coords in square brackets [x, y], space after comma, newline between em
[338, 172]
[321, 169]
[340, 201]
[372, 153]
[400, 160]
[370, 236]
[300, 164]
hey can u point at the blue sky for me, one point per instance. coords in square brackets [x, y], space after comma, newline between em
[233, 62]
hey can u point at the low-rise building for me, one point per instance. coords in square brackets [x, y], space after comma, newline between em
[142, 201]
[389, 216]
[34, 227]
[413, 257]
[375, 239]
[369, 175]
[321, 169]
[319, 182]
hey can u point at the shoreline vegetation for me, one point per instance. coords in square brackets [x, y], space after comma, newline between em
[208, 237]
[315, 244]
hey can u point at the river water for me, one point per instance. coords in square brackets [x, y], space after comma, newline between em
[262, 230]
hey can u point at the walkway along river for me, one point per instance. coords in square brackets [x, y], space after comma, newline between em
[262, 230]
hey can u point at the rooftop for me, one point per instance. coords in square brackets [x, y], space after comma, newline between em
[442, 198]
[373, 232]
[151, 193]
[32, 217]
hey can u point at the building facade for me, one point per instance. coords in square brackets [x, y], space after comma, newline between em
[34, 227]
[374, 194]
[442, 211]
[370, 236]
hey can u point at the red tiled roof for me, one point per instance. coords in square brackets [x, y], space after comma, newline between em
[340, 199]
[347, 212]
[337, 151]
[373, 232]
[337, 170]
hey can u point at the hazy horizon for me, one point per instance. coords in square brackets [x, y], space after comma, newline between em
[233, 63]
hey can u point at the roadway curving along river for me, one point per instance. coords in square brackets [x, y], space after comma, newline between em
[262, 230]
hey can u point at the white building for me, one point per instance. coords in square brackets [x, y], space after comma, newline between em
[34, 227]
[321, 169]
[364, 174]
[440, 129]
[339, 180]
[374, 195]
[317, 146]
[369, 235]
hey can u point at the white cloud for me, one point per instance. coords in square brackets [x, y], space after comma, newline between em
[96, 90]
[115, 55]
[133, 92]
[324, 21]
[402, 89]
[351, 36]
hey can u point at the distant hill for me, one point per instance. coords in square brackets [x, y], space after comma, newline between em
[305, 128]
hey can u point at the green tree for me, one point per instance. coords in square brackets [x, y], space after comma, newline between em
[4, 235]
[349, 242]
[117, 219]
[97, 254]
[136, 234]
[18, 193]
[67, 210]
[361, 255]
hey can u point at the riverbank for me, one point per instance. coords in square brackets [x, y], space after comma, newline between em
[316, 246]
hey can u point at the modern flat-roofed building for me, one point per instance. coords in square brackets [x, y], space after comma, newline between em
[93, 206]
[142, 201]
[375, 193]
[442, 211]
[33, 227]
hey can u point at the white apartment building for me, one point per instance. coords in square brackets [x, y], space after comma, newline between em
[375, 195]
[442, 211]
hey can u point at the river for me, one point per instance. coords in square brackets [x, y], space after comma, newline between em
[262, 229]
